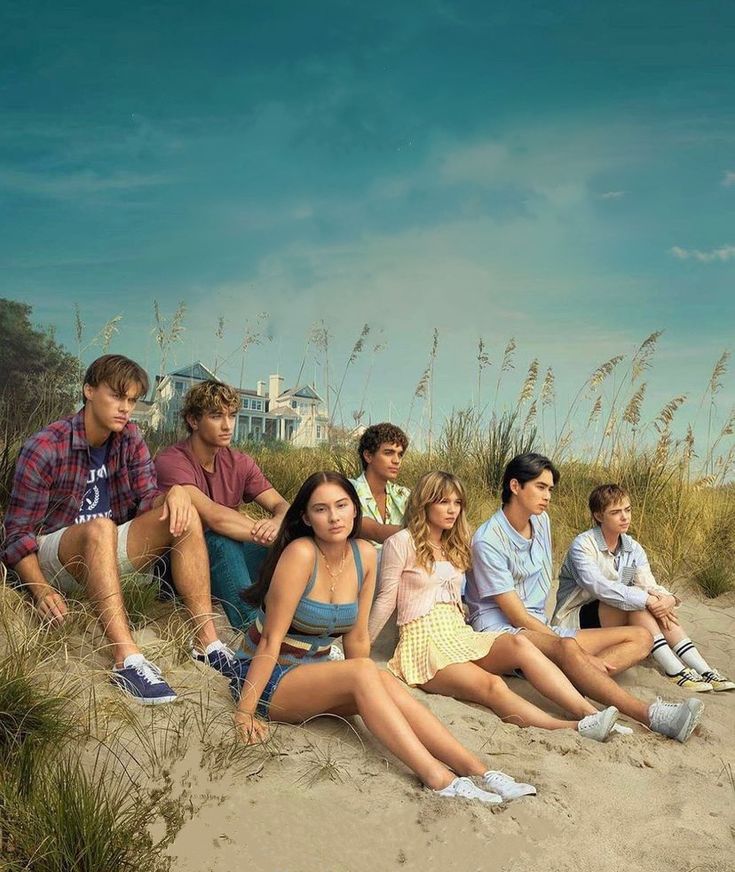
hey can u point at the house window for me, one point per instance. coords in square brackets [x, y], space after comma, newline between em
[257, 405]
[179, 386]
[246, 403]
[294, 404]
[318, 431]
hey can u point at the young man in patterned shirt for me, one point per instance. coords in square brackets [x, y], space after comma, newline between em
[85, 507]
[381, 451]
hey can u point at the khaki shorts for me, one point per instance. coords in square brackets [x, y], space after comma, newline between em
[54, 572]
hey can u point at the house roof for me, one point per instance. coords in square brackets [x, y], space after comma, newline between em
[306, 392]
[196, 370]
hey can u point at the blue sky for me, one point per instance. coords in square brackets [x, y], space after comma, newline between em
[562, 173]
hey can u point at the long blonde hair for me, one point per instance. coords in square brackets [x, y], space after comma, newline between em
[431, 488]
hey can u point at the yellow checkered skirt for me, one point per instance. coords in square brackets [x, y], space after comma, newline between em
[434, 641]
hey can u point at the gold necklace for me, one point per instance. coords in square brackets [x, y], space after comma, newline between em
[439, 548]
[334, 574]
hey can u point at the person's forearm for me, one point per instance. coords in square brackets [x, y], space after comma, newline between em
[534, 624]
[356, 646]
[279, 511]
[31, 576]
[233, 524]
[259, 673]
[371, 529]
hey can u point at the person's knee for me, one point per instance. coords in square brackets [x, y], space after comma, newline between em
[364, 670]
[570, 649]
[642, 639]
[494, 684]
[519, 644]
[100, 532]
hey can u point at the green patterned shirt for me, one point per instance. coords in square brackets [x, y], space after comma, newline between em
[396, 499]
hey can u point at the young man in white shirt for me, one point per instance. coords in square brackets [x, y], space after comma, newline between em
[606, 581]
[510, 581]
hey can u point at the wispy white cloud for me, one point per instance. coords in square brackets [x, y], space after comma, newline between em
[74, 184]
[724, 253]
[613, 195]
[728, 180]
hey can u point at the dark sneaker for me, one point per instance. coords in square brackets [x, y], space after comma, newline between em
[221, 658]
[676, 720]
[142, 681]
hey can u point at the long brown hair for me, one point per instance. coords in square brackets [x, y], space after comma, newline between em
[294, 527]
[431, 488]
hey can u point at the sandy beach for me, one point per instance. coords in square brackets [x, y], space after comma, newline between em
[329, 798]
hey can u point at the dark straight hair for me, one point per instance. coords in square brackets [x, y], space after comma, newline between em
[294, 527]
[525, 468]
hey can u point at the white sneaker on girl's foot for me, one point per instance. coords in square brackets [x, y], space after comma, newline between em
[506, 786]
[463, 788]
[598, 725]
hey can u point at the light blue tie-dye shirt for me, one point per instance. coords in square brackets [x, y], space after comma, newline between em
[504, 561]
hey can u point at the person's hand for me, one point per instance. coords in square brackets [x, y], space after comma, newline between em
[178, 509]
[250, 728]
[668, 621]
[51, 608]
[600, 664]
[655, 605]
[265, 530]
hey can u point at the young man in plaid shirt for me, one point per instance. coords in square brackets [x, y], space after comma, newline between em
[85, 507]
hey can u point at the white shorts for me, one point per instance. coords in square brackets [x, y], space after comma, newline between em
[54, 572]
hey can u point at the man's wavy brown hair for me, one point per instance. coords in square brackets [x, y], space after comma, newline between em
[117, 372]
[206, 397]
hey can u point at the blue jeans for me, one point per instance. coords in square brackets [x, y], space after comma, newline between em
[233, 567]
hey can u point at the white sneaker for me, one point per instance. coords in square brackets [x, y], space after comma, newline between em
[718, 681]
[506, 786]
[463, 788]
[598, 725]
[676, 720]
[622, 730]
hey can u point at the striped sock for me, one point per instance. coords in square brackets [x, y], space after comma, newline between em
[664, 656]
[687, 652]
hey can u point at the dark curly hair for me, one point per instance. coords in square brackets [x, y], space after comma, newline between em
[380, 434]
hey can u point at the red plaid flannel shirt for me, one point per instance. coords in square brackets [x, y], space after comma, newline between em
[51, 478]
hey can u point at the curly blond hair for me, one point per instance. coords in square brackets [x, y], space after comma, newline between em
[208, 396]
[431, 488]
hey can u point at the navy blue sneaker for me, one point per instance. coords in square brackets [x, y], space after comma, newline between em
[142, 681]
[221, 658]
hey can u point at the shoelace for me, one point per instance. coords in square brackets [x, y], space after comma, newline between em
[227, 652]
[149, 672]
[660, 710]
[588, 721]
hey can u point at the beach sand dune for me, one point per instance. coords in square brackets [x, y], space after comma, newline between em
[330, 799]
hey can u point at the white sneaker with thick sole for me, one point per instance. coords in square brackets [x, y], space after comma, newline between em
[676, 720]
[506, 786]
[463, 788]
[598, 725]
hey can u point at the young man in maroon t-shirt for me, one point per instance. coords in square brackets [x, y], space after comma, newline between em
[220, 480]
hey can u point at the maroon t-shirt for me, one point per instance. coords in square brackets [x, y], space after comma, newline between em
[236, 478]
